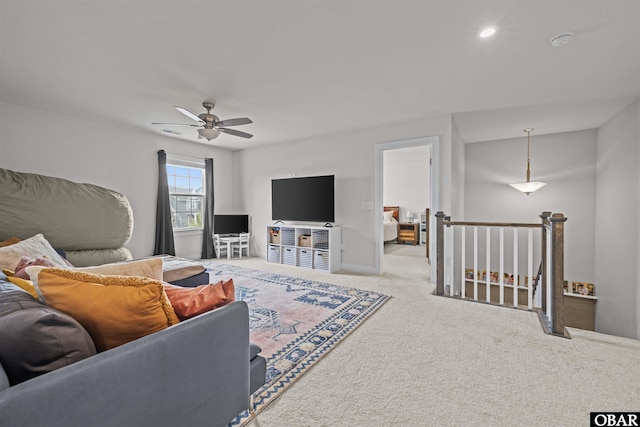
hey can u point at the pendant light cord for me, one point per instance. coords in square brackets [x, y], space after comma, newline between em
[528, 131]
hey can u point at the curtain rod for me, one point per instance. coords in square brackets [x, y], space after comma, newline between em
[184, 155]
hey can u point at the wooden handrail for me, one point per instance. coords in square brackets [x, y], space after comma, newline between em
[493, 224]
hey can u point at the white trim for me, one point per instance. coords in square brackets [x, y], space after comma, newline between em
[188, 231]
[184, 160]
[434, 142]
[354, 268]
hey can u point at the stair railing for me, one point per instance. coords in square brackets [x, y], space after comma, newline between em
[549, 277]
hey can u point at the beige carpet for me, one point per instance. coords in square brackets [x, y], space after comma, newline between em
[424, 360]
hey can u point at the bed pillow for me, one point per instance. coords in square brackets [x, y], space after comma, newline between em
[148, 267]
[190, 302]
[388, 215]
[113, 309]
[33, 247]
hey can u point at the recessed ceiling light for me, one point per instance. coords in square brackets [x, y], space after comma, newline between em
[487, 32]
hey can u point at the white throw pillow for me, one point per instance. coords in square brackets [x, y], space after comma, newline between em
[33, 247]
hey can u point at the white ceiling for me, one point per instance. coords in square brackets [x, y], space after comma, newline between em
[302, 69]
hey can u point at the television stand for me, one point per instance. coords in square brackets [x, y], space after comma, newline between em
[314, 247]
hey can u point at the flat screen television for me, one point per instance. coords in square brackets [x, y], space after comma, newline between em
[230, 224]
[303, 199]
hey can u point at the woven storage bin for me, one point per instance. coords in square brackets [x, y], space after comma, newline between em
[304, 241]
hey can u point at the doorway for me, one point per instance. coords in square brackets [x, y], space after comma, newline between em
[397, 184]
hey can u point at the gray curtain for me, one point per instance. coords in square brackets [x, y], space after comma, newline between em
[164, 228]
[208, 249]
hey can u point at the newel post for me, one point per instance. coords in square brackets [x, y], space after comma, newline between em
[440, 253]
[542, 284]
[557, 273]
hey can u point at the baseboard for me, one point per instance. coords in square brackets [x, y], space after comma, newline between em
[358, 269]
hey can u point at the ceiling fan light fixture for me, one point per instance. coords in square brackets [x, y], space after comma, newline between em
[208, 133]
[209, 124]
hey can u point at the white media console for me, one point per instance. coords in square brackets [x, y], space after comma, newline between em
[305, 246]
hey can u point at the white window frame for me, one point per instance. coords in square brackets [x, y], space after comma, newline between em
[187, 191]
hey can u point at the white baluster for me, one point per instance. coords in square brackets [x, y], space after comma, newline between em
[488, 277]
[515, 265]
[463, 263]
[475, 263]
[530, 268]
[501, 272]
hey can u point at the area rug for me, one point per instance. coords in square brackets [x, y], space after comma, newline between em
[295, 322]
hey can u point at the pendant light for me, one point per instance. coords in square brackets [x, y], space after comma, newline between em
[528, 186]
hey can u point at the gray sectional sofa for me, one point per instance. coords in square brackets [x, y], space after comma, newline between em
[199, 372]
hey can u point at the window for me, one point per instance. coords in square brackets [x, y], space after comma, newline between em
[186, 195]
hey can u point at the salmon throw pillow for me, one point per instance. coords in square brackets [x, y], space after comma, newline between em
[190, 302]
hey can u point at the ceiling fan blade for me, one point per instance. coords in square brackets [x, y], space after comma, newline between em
[235, 122]
[189, 114]
[175, 124]
[235, 132]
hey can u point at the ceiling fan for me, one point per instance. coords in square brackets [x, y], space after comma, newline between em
[211, 125]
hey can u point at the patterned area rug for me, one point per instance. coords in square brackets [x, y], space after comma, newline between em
[295, 321]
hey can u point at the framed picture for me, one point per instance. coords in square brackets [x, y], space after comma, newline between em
[526, 281]
[468, 273]
[584, 288]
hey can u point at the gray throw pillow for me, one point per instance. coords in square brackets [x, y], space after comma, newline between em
[37, 338]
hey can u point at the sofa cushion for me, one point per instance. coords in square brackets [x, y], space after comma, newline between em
[73, 216]
[36, 338]
[4, 380]
[190, 302]
[254, 350]
[148, 267]
[174, 268]
[33, 247]
[89, 257]
[113, 309]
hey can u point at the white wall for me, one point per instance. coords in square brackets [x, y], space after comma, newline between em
[348, 156]
[406, 180]
[617, 254]
[458, 167]
[122, 159]
[565, 161]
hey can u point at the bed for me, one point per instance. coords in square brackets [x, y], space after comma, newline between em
[390, 223]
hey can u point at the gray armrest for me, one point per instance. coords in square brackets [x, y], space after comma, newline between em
[193, 373]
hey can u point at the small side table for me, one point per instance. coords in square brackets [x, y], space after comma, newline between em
[408, 232]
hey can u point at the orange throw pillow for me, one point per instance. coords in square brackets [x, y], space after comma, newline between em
[113, 309]
[10, 241]
[190, 302]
